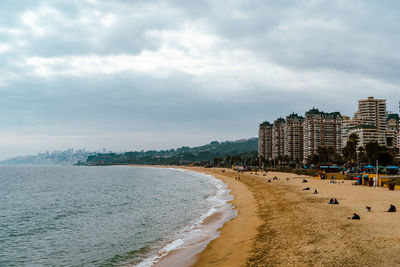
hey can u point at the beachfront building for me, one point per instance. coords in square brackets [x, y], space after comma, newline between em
[293, 132]
[373, 112]
[278, 138]
[366, 133]
[265, 141]
[392, 132]
[321, 129]
[347, 124]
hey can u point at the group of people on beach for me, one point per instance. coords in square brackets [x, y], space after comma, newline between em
[334, 201]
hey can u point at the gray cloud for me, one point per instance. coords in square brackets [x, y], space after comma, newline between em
[167, 73]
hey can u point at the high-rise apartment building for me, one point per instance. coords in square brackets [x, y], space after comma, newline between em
[347, 125]
[278, 138]
[366, 133]
[321, 129]
[392, 132]
[293, 141]
[265, 141]
[372, 112]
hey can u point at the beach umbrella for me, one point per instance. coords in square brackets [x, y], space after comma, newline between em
[392, 167]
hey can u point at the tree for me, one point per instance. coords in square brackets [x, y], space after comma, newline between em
[286, 159]
[376, 152]
[370, 149]
[350, 150]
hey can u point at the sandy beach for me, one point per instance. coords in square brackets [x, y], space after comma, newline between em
[279, 224]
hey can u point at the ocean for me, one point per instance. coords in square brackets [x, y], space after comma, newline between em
[105, 216]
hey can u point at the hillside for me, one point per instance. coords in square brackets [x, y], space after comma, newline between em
[205, 153]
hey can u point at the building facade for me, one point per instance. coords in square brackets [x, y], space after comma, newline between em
[392, 132]
[265, 141]
[347, 125]
[293, 132]
[321, 129]
[278, 138]
[373, 112]
[365, 133]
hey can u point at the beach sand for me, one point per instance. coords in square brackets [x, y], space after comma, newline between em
[281, 225]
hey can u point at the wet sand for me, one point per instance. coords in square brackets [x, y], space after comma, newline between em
[228, 249]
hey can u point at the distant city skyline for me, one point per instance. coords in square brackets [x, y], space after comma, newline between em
[140, 75]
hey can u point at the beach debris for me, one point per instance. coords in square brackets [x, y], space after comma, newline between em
[392, 208]
[307, 188]
[368, 208]
[315, 192]
[287, 179]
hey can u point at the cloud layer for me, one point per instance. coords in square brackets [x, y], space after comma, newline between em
[162, 74]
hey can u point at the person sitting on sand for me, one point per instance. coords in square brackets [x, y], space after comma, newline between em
[368, 208]
[392, 208]
[333, 201]
[307, 188]
[355, 216]
[304, 180]
[315, 192]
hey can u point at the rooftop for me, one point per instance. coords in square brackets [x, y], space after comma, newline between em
[265, 123]
[315, 111]
[393, 116]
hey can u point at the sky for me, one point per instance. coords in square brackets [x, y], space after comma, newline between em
[132, 75]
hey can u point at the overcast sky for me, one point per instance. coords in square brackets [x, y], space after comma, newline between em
[132, 75]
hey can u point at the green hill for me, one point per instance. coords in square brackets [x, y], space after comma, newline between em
[182, 155]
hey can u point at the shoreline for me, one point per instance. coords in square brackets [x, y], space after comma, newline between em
[215, 252]
[280, 224]
[233, 246]
[207, 231]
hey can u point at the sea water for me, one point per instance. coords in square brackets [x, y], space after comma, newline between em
[103, 216]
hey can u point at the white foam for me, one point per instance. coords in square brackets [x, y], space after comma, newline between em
[172, 246]
[219, 203]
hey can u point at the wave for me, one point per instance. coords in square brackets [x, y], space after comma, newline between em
[198, 232]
